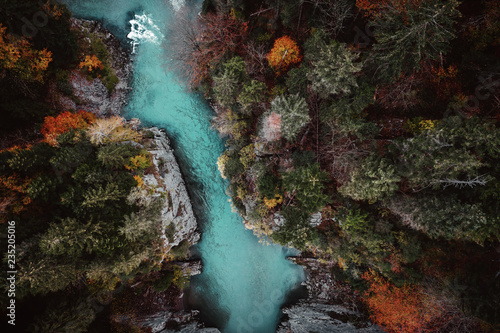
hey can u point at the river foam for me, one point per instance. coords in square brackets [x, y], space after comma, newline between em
[143, 29]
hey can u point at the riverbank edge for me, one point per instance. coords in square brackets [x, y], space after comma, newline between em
[167, 179]
[167, 176]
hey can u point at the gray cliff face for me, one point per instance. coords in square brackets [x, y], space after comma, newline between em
[177, 214]
[326, 310]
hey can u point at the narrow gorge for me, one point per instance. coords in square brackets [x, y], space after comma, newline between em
[244, 283]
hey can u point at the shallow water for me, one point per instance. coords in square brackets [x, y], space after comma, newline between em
[243, 283]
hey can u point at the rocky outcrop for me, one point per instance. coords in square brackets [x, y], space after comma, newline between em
[175, 322]
[321, 318]
[166, 313]
[330, 306]
[91, 94]
[163, 311]
[193, 328]
[178, 218]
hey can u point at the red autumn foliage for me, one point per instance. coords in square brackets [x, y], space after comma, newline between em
[395, 260]
[219, 35]
[54, 126]
[374, 8]
[397, 309]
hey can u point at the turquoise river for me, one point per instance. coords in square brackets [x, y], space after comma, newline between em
[244, 283]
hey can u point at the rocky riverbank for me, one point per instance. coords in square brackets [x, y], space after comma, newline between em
[162, 311]
[102, 95]
[165, 312]
[331, 306]
[156, 311]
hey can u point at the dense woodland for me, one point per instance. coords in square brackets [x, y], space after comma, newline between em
[87, 226]
[383, 117]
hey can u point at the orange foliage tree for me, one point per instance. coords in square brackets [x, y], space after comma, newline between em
[13, 197]
[18, 57]
[54, 126]
[53, 10]
[284, 53]
[445, 81]
[91, 63]
[397, 309]
[432, 307]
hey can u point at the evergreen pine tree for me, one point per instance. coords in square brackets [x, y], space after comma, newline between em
[71, 238]
[334, 70]
[374, 180]
[116, 155]
[307, 184]
[228, 83]
[294, 114]
[98, 197]
[455, 150]
[252, 92]
[64, 317]
[405, 39]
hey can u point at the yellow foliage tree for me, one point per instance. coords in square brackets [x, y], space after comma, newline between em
[284, 53]
[139, 162]
[221, 164]
[139, 180]
[271, 203]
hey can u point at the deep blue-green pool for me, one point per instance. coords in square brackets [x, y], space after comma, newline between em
[244, 282]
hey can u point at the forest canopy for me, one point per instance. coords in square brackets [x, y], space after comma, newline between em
[380, 118]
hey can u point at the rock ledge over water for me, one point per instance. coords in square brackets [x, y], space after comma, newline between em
[177, 213]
